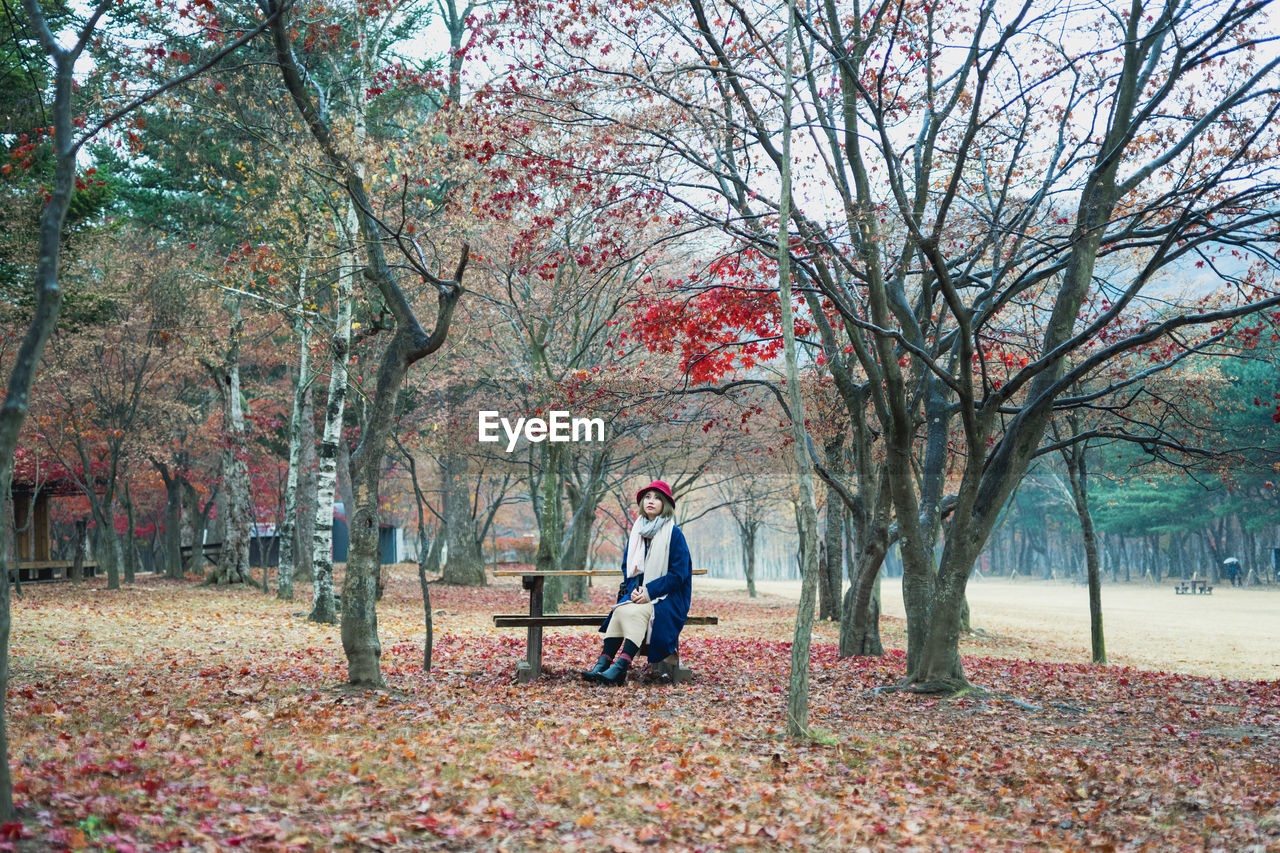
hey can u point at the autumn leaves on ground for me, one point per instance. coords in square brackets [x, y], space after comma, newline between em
[169, 716]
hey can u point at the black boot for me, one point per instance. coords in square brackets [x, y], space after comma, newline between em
[593, 674]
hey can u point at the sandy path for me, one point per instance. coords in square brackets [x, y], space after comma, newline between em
[1233, 632]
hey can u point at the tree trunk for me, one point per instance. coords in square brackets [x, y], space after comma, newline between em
[305, 536]
[576, 552]
[172, 525]
[584, 500]
[360, 581]
[463, 564]
[106, 543]
[1248, 575]
[432, 560]
[297, 434]
[860, 628]
[798, 680]
[428, 626]
[409, 344]
[199, 518]
[862, 604]
[191, 519]
[747, 536]
[323, 606]
[346, 494]
[550, 526]
[127, 542]
[77, 563]
[17, 396]
[830, 568]
[236, 505]
[425, 547]
[1079, 477]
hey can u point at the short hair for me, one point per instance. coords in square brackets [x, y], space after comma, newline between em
[668, 509]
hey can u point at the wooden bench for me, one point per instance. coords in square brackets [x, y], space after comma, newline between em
[667, 668]
[47, 571]
[209, 551]
[535, 620]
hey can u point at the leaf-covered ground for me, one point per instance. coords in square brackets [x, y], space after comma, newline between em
[172, 717]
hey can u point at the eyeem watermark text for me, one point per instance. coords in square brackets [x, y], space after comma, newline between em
[558, 427]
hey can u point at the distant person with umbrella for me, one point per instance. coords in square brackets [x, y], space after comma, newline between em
[1231, 566]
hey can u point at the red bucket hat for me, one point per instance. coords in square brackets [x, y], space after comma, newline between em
[660, 486]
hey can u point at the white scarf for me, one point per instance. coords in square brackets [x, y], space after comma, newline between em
[653, 564]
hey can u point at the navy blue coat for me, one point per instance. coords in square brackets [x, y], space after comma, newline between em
[669, 615]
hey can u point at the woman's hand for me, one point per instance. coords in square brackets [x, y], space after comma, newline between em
[639, 595]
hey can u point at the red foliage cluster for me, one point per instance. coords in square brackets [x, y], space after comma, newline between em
[733, 321]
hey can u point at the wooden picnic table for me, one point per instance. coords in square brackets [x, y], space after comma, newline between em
[1194, 587]
[531, 667]
[208, 551]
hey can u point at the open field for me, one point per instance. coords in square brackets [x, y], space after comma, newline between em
[1234, 633]
[168, 716]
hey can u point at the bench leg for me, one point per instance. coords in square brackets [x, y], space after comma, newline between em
[669, 667]
[531, 667]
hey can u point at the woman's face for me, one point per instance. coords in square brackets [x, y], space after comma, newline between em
[651, 504]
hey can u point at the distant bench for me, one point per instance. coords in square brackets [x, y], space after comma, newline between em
[535, 620]
[47, 571]
[1194, 588]
[209, 551]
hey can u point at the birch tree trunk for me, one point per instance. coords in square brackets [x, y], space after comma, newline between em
[289, 524]
[323, 606]
[307, 464]
[237, 508]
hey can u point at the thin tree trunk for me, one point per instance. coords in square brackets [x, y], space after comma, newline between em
[297, 434]
[48, 302]
[798, 681]
[425, 548]
[584, 500]
[237, 509]
[323, 606]
[304, 536]
[1078, 474]
[199, 519]
[106, 544]
[127, 540]
[747, 536]
[77, 563]
[173, 523]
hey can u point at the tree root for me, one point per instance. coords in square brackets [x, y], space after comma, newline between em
[926, 688]
[953, 692]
